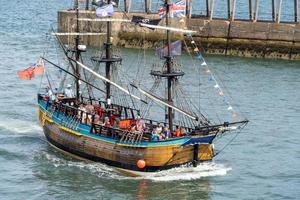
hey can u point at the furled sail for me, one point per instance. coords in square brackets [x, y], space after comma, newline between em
[162, 101]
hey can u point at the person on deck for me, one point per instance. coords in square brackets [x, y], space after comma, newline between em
[90, 108]
[107, 122]
[69, 92]
[82, 113]
[50, 94]
[180, 131]
[159, 129]
[140, 124]
[154, 135]
[167, 132]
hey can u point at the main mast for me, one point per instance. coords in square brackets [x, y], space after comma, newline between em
[169, 68]
[108, 53]
[168, 72]
[109, 58]
[77, 52]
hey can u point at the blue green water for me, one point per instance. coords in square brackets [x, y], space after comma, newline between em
[262, 162]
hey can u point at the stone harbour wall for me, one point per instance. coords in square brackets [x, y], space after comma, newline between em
[237, 38]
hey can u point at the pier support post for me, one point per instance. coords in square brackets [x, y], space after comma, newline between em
[210, 6]
[255, 15]
[229, 9]
[87, 4]
[189, 8]
[296, 10]
[147, 6]
[278, 11]
[250, 10]
[232, 10]
[273, 11]
[127, 5]
[207, 8]
[75, 4]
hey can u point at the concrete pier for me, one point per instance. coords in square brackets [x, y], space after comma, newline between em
[227, 37]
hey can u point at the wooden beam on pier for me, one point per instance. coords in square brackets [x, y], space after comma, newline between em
[255, 15]
[296, 10]
[189, 8]
[148, 6]
[127, 5]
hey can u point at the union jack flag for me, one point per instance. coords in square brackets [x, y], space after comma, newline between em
[177, 9]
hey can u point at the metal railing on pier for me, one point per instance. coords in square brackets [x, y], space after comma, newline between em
[251, 10]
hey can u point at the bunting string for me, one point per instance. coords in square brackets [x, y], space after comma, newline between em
[211, 76]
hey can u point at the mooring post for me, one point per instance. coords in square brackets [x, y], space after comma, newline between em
[278, 12]
[148, 6]
[273, 10]
[87, 3]
[296, 10]
[250, 10]
[127, 5]
[256, 10]
[189, 8]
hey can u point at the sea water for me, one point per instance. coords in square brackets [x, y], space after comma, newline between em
[261, 163]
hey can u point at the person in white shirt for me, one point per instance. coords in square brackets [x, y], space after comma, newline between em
[50, 94]
[69, 92]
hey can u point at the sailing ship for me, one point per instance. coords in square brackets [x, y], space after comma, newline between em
[121, 136]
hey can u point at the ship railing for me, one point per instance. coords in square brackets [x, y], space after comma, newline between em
[124, 111]
[153, 123]
[76, 116]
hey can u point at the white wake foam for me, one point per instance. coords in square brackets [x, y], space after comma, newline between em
[189, 173]
[208, 169]
[19, 126]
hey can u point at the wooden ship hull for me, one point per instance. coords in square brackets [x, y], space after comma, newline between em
[80, 141]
